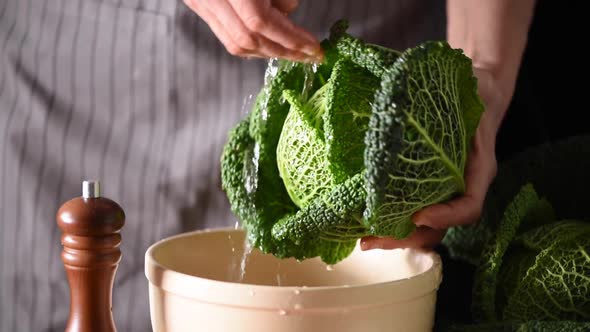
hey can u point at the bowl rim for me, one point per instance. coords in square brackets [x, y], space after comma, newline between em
[209, 290]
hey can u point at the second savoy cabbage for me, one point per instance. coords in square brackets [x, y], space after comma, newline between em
[352, 147]
[532, 272]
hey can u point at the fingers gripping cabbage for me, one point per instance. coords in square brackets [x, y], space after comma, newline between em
[351, 147]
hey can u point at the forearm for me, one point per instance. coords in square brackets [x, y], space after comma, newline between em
[493, 33]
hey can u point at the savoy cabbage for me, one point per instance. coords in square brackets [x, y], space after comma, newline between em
[533, 273]
[350, 147]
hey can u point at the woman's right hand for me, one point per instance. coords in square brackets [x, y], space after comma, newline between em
[258, 28]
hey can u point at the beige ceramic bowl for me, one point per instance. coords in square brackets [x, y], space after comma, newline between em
[194, 285]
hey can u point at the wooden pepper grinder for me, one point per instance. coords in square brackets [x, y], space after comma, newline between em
[91, 239]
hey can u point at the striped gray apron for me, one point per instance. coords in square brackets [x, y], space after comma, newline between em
[139, 94]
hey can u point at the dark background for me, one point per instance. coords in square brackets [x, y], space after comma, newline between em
[552, 92]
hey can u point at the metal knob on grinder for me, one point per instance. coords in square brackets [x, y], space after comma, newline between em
[90, 227]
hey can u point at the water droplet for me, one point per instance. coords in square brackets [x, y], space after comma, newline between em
[272, 69]
[279, 281]
[247, 104]
[251, 293]
[329, 268]
[251, 170]
[309, 75]
[282, 312]
[247, 252]
[296, 292]
[298, 306]
[237, 225]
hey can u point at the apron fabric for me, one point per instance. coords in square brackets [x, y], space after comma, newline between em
[140, 95]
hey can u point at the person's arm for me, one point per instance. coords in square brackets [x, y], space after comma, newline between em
[494, 35]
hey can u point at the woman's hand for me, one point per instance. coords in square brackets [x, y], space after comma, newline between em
[258, 28]
[433, 221]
